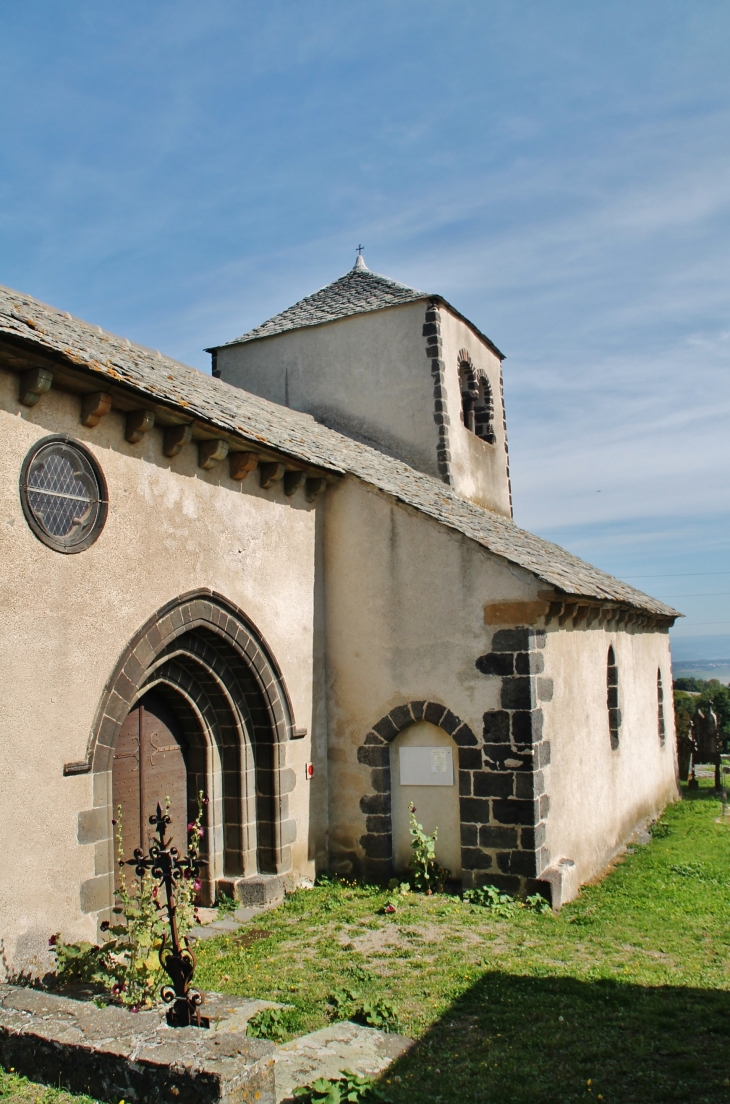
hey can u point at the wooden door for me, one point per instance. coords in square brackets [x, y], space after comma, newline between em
[149, 767]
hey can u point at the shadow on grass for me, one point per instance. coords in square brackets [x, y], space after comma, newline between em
[702, 793]
[513, 1039]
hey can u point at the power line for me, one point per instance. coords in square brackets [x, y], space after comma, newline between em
[695, 623]
[677, 575]
[703, 594]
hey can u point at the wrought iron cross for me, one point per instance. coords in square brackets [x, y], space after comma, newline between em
[166, 865]
[359, 250]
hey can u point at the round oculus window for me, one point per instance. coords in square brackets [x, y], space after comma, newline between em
[63, 493]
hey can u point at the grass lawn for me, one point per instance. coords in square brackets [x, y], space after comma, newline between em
[623, 997]
[18, 1090]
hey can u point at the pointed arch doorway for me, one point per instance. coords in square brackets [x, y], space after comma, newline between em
[198, 703]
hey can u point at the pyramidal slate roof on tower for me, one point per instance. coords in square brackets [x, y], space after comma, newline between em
[357, 292]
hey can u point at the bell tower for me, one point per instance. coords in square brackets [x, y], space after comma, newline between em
[398, 369]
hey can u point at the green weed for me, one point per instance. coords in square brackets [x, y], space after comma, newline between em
[624, 996]
[270, 1023]
[349, 1087]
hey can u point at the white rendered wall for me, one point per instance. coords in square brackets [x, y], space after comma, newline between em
[404, 615]
[598, 795]
[405, 622]
[172, 528]
[479, 470]
[367, 376]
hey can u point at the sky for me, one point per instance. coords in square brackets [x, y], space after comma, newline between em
[559, 171]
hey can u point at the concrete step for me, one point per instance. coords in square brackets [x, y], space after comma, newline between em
[329, 1051]
[232, 922]
[258, 890]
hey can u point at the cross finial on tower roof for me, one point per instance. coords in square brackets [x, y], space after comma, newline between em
[360, 262]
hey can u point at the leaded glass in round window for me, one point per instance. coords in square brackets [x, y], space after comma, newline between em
[63, 494]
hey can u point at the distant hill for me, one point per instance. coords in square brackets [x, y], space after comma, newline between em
[692, 649]
[702, 669]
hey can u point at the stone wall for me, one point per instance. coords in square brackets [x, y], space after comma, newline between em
[502, 792]
[505, 798]
[410, 614]
[600, 789]
[377, 841]
[405, 626]
[172, 528]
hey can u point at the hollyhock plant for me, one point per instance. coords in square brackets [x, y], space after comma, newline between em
[127, 962]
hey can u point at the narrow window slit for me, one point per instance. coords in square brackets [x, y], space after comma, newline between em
[614, 713]
[660, 708]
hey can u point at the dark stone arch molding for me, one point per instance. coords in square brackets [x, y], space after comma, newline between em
[480, 405]
[222, 719]
[374, 752]
[196, 609]
[201, 647]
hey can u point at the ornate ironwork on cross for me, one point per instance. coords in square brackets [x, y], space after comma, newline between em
[178, 961]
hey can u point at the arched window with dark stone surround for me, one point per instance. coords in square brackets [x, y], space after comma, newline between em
[660, 708]
[477, 403]
[468, 395]
[614, 713]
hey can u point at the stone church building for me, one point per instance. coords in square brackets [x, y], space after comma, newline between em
[297, 586]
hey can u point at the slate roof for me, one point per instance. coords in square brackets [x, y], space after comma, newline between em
[357, 292]
[224, 407]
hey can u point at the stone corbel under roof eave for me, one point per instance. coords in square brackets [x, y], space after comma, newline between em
[72, 375]
[573, 611]
[561, 609]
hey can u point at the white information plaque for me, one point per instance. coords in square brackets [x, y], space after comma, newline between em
[426, 766]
